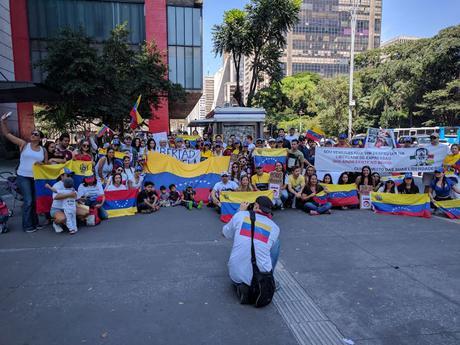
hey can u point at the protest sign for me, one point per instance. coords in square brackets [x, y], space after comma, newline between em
[189, 156]
[380, 138]
[160, 136]
[416, 159]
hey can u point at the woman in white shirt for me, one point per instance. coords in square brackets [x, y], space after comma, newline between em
[116, 184]
[389, 187]
[31, 153]
[138, 179]
[128, 171]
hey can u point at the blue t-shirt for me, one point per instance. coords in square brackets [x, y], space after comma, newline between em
[444, 190]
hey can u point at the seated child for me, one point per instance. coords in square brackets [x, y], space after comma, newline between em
[164, 197]
[69, 205]
[147, 199]
[174, 195]
[188, 199]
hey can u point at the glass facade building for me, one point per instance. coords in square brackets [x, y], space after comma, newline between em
[321, 40]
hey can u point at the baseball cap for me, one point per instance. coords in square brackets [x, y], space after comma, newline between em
[224, 173]
[65, 171]
[207, 143]
[356, 142]
[436, 135]
[259, 139]
[439, 170]
[271, 140]
[179, 139]
[279, 140]
[342, 136]
[264, 203]
[116, 142]
[408, 175]
[407, 139]
[301, 138]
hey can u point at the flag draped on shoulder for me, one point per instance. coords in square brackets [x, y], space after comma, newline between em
[164, 170]
[342, 194]
[120, 203]
[315, 134]
[414, 205]
[269, 157]
[451, 208]
[231, 202]
[136, 118]
[44, 174]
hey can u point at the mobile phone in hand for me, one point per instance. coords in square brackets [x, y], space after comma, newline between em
[7, 115]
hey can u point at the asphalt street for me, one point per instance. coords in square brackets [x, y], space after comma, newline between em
[162, 279]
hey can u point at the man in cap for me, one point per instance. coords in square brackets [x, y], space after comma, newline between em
[266, 244]
[342, 141]
[407, 142]
[224, 185]
[179, 143]
[260, 143]
[441, 151]
[272, 143]
[281, 134]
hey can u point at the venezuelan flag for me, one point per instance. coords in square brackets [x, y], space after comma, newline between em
[415, 205]
[44, 174]
[104, 129]
[269, 157]
[397, 178]
[164, 170]
[342, 194]
[136, 118]
[261, 230]
[315, 134]
[451, 208]
[118, 155]
[121, 203]
[191, 139]
[320, 198]
[231, 202]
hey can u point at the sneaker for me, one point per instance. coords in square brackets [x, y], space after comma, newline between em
[200, 205]
[39, 227]
[30, 230]
[57, 228]
[73, 232]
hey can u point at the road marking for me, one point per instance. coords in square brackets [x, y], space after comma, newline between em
[307, 322]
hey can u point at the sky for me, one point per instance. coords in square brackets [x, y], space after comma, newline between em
[420, 18]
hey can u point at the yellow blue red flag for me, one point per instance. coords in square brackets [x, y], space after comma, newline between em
[342, 194]
[451, 208]
[121, 203]
[414, 205]
[136, 118]
[231, 201]
[267, 158]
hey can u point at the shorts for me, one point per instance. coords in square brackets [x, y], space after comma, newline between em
[54, 210]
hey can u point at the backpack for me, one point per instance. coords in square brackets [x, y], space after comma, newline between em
[262, 288]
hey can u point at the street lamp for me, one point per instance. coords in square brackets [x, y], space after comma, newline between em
[301, 113]
[351, 101]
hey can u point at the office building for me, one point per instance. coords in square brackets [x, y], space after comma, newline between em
[175, 26]
[320, 42]
[398, 40]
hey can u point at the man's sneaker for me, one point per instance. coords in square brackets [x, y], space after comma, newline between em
[200, 205]
[190, 205]
[57, 228]
[30, 230]
[39, 227]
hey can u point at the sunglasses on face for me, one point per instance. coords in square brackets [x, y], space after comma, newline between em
[36, 134]
[85, 145]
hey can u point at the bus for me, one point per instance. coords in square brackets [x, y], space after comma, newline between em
[450, 135]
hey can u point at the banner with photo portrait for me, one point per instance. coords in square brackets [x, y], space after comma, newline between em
[415, 159]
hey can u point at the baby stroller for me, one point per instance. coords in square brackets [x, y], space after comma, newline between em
[5, 214]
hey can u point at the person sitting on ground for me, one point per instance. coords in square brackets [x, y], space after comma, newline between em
[174, 196]
[408, 185]
[116, 183]
[311, 202]
[189, 199]
[376, 182]
[309, 172]
[137, 180]
[91, 193]
[147, 199]
[344, 178]
[365, 179]
[295, 157]
[224, 185]
[260, 179]
[441, 187]
[278, 178]
[245, 185]
[389, 187]
[327, 179]
[296, 183]
[266, 244]
[163, 199]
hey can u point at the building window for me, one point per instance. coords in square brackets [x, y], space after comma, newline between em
[185, 56]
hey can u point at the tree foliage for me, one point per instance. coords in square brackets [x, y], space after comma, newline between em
[102, 86]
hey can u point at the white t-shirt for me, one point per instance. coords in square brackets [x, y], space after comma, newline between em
[59, 186]
[90, 192]
[291, 137]
[265, 235]
[251, 147]
[138, 184]
[111, 187]
[69, 204]
[221, 187]
[127, 174]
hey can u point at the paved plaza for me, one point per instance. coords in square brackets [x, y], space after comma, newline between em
[350, 277]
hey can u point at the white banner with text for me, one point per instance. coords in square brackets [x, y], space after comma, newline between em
[189, 156]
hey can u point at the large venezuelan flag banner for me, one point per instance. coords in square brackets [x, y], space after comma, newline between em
[269, 157]
[231, 202]
[342, 194]
[451, 208]
[415, 205]
[44, 174]
[164, 170]
[121, 203]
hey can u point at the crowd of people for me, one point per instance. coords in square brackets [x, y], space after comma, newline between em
[120, 167]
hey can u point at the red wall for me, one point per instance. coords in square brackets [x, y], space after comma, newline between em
[156, 28]
[22, 67]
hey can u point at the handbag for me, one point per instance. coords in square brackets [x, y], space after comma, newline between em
[262, 286]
